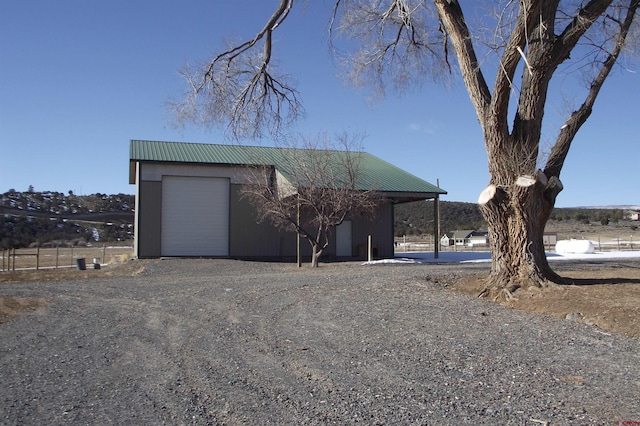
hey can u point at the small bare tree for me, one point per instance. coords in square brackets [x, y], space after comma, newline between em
[310, 189]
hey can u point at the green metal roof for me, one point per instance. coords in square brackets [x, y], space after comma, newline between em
[375, 173]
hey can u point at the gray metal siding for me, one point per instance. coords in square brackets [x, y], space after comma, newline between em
[384, 225]
[247, 238]
[381, 230]
[250, 239]
[149, 206]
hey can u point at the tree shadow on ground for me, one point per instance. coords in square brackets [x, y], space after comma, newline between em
[600, 281]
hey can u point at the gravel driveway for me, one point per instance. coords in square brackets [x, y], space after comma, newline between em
[231, 342]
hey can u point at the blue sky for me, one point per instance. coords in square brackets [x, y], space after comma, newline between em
[80, 78]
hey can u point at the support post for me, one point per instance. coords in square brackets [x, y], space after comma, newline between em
[298, 253]
[369, 249]
[436, 226]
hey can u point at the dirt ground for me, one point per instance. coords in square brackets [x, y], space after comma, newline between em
[12, 306]
[607, 297]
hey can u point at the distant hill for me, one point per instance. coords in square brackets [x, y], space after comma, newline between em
[622, 207]
[417, 218]
[53, 218]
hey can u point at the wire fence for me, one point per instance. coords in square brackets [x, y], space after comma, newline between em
[67, 257]
[599, 244]
[63, 257]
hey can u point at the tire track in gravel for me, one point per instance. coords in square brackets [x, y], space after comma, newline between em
[210, 367]
[275, 357]
[93, 356]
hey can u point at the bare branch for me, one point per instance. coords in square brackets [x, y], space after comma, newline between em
[579, 25]
[578, 118]
[397, 44]
[241, 88]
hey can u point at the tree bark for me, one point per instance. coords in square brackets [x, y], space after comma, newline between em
[517, 215]
[315, 255]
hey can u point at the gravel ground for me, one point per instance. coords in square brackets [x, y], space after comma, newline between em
[231, 342]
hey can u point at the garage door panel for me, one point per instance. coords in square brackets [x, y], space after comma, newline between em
[195, 216]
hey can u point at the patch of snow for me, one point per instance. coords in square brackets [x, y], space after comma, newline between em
[485, 256]
[574, 247]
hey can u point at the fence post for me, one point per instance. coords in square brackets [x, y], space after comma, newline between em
[104, 248]
[37, 258]
[57, 249]
[14, 259]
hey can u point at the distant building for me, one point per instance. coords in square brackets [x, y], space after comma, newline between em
[465, 238]
[632, 214]
[549, 239]
[478, 238]
[446, 240]
[481, 238]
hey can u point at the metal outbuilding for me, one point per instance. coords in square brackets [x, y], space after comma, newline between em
[188, 202]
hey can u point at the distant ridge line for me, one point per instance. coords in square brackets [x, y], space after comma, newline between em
[619, 207]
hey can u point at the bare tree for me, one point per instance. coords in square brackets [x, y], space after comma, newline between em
[310, 188]
[402, 43]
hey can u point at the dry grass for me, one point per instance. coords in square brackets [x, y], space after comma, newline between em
[45, 258]
[607, 298]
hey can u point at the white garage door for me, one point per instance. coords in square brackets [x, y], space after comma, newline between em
[195, 216]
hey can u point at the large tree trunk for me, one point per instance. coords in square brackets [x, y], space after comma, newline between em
[517, 215]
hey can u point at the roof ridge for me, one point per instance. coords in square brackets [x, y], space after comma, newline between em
[245, 146]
